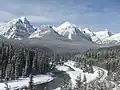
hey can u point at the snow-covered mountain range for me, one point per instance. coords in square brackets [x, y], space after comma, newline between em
[21, 29]
[98, 37]
[72, 32]
[17, 29]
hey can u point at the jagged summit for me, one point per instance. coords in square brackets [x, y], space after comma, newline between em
[71, 31]
[46, 32]
[17, 29]
[89, 32]
[21, 28]
[65, 25]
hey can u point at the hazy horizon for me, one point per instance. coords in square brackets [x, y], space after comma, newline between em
[100, 14]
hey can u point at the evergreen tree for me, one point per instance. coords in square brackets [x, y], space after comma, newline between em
[31, 82]
[6, 86]
[66, 84]
[34, 65]
[84, 82]
[18, 64]
[79, 82]
[12, 73]
[27, 69]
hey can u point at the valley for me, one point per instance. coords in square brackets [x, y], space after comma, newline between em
[68, 57]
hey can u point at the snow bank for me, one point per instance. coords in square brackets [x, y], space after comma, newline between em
[14, 84]
[57, 88]
[77, 72]
[62, 68]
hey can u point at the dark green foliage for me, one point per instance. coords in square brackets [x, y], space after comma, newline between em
[107, 58]
[66, 84]
[79, 82]
[31, 82]
[34, 65]
[18, 60]
[6, 86]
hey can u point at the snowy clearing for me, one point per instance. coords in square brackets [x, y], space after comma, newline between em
[77, 72]
[73, 74]
[62, 68]
[57, 88]
[38, 79]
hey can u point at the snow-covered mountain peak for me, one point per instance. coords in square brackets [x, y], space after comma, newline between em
[46, 27]
[103, 33]
[17, 29]
[88, 32]
[113, 39]
[100, 36]
[24, 19]
[71, 32]
[18, 20]
[67, 29]
[44, 30]
[66, 25]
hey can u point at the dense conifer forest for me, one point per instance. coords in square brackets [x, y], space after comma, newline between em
[107, 58]
[22, 61]
[19, 60]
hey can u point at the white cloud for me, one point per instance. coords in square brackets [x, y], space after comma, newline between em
[39, 19]
[1, 23]
[6, 16]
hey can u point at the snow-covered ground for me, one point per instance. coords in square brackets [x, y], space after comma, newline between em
[62, 68]
[38, 79]
[77, 72]
[57, 88]
[105, 72]
[73, 74]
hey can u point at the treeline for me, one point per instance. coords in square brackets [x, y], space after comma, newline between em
[18, 60]
[107, 58]
[21, 60]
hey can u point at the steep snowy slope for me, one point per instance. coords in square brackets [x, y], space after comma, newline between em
[100, 36]
[17, 29]
[88, 32]
[114, 39]
[103, 34]
[46, 32]
[70, 31]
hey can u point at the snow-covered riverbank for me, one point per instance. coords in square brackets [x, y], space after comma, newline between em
[78, 71]
[38, 79]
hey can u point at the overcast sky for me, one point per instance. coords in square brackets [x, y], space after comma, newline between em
[85, 13]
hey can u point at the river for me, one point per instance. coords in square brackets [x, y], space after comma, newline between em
[59, 78]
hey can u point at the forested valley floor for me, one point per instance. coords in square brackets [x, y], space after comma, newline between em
[22, 61]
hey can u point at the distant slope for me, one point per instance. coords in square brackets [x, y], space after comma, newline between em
[71, 31]
[114, 39]
[17, 29]
[98, 37]
[46, 32]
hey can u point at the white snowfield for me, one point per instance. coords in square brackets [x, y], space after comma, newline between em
[15, 84]
[16, 29]
[73, 74]
[62, 68]
[114, 38]
[99, 36]
[88, 32]
[21, 28]
[72, 32]
[77, 72]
